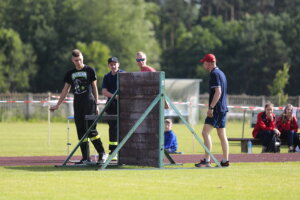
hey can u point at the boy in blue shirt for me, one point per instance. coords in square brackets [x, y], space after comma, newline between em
[170, 138]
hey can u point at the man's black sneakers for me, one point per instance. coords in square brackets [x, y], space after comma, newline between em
[203, 163]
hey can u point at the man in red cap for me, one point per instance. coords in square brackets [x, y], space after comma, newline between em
[216, 113]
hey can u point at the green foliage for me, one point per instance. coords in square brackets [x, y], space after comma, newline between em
[254, 55]
[173, 14]
[189, 46]
[17, 62]
[227, 33]
[251, 39]
[279, 83]
[237, 9]
[291, 37]
[53, 27]
[37, 23]
[124, 35]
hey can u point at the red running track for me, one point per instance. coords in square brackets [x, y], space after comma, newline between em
[183, 158]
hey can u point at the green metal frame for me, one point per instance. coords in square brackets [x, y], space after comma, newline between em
[160, 98]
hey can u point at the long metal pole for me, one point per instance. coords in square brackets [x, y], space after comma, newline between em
[244, 119]
[49, 120]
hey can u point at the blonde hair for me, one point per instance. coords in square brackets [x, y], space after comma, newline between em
[140, 53]
[283, 115]
[288, 105]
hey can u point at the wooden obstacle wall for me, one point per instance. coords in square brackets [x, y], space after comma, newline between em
[137, 90]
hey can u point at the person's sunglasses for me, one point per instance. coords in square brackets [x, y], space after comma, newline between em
[140, 59]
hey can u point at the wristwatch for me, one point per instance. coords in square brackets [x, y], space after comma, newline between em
[211, 108]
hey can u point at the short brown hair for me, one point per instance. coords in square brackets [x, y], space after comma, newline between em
[269, 104]
[168, 121]
[76, 53]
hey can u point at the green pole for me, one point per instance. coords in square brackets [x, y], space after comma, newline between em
[161, 121]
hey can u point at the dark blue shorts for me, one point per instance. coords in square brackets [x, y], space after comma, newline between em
[218, 120]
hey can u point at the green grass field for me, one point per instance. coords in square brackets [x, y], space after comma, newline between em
[32, 139]
[240, 181]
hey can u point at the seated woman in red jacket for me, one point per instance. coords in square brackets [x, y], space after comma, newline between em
[288, 126]
[265, 126]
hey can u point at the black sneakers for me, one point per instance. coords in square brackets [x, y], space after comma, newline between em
[203, 163]
[291, 149]
[83, 161]
[225, 164]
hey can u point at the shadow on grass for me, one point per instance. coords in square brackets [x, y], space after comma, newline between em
[49, 168]
[98, 168]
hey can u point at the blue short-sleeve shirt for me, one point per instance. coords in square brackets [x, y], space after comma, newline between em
[218, 79]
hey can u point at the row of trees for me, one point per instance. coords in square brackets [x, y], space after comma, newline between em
[252, 40]
[43, 33]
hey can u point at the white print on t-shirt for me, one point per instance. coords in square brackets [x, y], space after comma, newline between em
[79, 80]
[79, 75]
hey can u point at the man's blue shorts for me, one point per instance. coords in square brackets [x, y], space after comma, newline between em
[218, 120]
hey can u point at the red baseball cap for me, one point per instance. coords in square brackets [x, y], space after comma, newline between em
[208, 58]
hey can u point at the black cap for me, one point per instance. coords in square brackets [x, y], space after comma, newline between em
[113, 59]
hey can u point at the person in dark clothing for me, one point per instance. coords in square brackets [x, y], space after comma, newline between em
[82, 79]
[109, 87]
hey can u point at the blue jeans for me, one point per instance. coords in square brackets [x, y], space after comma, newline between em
[291, 137]
[266, 137]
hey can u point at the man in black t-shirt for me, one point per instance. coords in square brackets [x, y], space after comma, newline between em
[82, 79]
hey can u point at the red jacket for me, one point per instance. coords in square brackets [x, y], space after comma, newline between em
[289, 125]
[264, 124]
